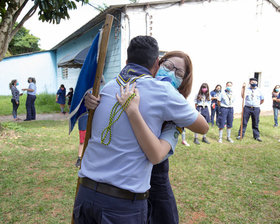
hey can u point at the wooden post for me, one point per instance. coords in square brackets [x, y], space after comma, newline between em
[242, 112]
[99, 71]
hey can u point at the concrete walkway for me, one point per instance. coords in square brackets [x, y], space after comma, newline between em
[54, 116]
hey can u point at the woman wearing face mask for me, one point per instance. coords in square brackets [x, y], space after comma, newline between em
[214, 103]
[30, 101]
[202, 103]
[15, 98]
[176, 68]
[276, 104]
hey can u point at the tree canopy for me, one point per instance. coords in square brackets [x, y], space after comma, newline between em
[23, 42]
[51, 11]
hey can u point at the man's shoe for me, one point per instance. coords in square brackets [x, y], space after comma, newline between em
[275, 125]
[27, 120]
[204, 139]
[230, 140]
[258, 139]
[185, 143]
[78, 163]
[238, 138]
[220, 140]
[196, 141]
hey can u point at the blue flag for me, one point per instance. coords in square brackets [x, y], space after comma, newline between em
[84, 83]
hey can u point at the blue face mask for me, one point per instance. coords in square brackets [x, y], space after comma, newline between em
[228, 89]
[17, 83]
[170, 75]
[254, 85]
[277, 90]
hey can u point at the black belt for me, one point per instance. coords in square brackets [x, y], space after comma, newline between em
[250, 107]
[112, 190]
[202, 106]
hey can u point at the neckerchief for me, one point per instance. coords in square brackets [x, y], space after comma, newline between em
[131, 72]
[229, 95]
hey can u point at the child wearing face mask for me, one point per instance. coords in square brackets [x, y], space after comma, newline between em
[15, 98]
[202, 104]
[276, 105]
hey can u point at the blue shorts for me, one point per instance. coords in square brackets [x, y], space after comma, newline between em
[204, 112]
[226, 117]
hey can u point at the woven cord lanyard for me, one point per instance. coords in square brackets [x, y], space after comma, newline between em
[117, 108]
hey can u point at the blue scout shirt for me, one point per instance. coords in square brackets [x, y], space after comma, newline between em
[203, 102]
[32, 86]
[253, 97]
[226, 98]
[122, 163]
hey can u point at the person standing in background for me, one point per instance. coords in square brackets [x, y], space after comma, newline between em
[225, 102]
[276, 105]
[15, 98]
[69, 96]
[61, 98]
[30, 101]
[253, 100]
[82, 123]
[202, 103]
[214, 94]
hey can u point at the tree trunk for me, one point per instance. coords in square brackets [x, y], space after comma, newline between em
[6, 27]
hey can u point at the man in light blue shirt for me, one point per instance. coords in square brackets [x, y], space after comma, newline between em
[115, 173]
[253, 99]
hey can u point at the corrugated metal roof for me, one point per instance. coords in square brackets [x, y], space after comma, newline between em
[113, 10]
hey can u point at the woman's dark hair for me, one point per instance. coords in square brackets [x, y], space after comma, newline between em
[12, 83]
[218, 86]
[62, 86]
[200, 93]
[72, 90]
[143, 50]
[32, 79]
[186, 86]
[274, 90]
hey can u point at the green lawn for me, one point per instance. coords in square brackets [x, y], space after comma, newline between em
[45, 103]
[216, 183]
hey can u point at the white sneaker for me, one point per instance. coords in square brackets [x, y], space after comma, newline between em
[185, 143]
[220, 140]
[230, 140]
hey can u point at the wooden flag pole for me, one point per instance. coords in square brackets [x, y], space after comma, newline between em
[242, 112]
[99, 71]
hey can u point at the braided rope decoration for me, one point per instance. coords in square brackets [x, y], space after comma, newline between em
[115, 110]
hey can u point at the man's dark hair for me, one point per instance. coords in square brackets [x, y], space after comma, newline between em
[143, 50]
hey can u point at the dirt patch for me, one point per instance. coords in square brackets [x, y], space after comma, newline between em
[54, 116]
[277, 192]
[196, 217]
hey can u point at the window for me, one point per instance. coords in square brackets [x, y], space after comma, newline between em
[64, 73]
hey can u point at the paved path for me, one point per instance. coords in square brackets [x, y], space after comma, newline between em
[54, 116]
[59, 116]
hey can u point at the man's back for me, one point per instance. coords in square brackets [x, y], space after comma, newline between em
[128, 166]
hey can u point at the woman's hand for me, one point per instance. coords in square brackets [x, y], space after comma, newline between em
[91, 102]
[125, 94]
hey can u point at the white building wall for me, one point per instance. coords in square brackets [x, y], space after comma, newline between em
[226, 40]
[41, 65]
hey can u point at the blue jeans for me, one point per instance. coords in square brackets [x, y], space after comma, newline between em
[213, 112]
[275, 113]
[96, 208]
[163, 208]
[15, 107]
[254, 113]
[30, 107]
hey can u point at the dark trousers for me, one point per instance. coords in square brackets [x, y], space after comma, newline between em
[92, 207]
[254, 112]
[225, 117]
[15, 107]
[213, 112]
[162, 206]
[30, 107]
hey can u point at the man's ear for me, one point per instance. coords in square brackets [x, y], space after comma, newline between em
[126, 62]
[155, 68]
